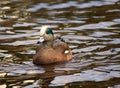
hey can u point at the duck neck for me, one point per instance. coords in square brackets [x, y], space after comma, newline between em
[48, 44]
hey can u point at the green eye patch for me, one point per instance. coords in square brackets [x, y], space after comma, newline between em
[49, 31]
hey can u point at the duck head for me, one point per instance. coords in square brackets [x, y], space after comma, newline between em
[46, 34]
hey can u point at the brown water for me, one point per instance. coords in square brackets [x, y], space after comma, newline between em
[91, 27]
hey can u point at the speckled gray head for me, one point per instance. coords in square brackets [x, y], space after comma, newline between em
[44, 32]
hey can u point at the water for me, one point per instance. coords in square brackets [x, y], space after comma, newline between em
[92, 29]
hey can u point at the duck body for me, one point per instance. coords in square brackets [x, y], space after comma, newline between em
[51, 50]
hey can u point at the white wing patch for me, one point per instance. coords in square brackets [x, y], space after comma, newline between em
[66, 51]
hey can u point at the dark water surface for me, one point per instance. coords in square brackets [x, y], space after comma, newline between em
[91, 27]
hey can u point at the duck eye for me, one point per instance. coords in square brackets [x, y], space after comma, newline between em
[49, 31]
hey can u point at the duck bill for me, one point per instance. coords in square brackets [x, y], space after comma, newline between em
[41, 39]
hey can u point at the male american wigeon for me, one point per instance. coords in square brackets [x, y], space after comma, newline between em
[51, 48]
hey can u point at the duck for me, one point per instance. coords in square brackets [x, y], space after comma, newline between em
[51, 48]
